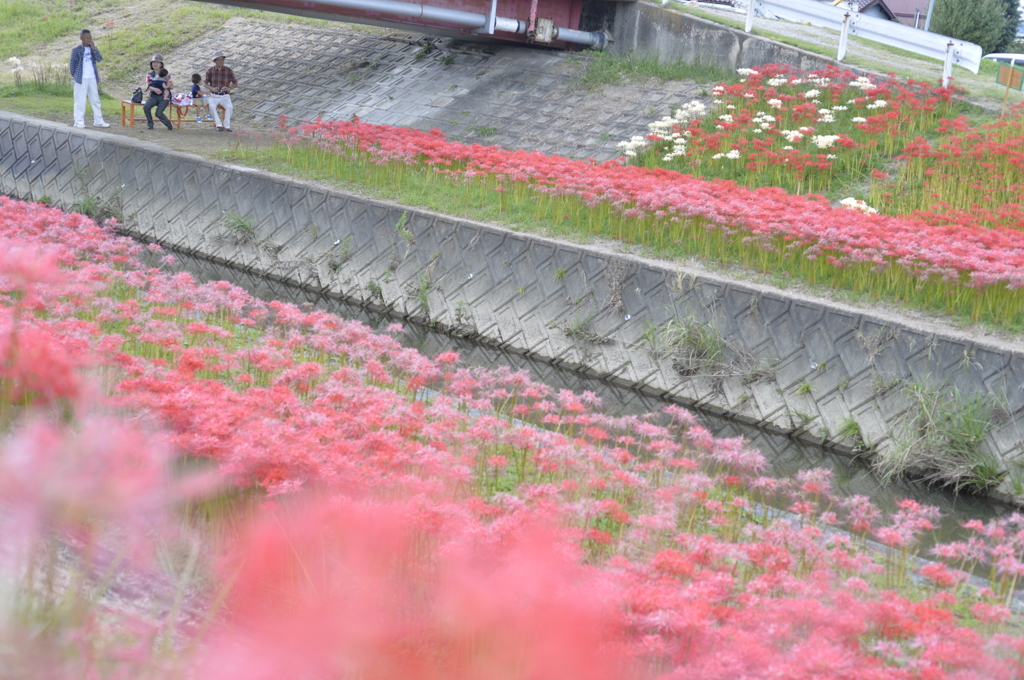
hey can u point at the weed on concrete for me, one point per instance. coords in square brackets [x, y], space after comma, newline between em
[942, 442]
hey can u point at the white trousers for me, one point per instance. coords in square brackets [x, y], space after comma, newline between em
[215, 100]
[87, 88]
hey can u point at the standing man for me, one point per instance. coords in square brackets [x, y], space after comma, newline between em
[87, 79]
[221, 80]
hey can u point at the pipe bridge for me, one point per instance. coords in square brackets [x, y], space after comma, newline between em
[554, 23]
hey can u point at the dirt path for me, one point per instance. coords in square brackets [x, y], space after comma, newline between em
[515, 97]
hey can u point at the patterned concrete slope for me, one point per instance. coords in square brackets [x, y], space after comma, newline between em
[819, 363]
[785, 455]
[515, 97]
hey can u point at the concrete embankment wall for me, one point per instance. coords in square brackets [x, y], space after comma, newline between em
[792, 363]
[646, 29]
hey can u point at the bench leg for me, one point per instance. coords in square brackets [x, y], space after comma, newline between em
[127, 114]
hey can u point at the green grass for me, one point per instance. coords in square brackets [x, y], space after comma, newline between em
[605, 68]
[850, 431]
[49, 106]
[567, 217]
[942, 441]
[127, 50]
[45, 92]
[28, 24]
[49, 99]
[981, 85]
[483, 130]
[422, 190]
[709, 16]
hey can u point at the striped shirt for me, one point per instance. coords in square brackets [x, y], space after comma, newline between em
[220, 77]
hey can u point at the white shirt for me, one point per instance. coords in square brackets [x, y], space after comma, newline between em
[88, 72]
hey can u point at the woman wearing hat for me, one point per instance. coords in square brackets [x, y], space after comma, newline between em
[156, 64]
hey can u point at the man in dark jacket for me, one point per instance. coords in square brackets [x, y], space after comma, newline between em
[87, 79]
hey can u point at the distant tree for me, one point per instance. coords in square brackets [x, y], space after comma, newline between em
[982, 22]
[1011, 12]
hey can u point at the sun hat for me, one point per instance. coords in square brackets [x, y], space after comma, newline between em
[156, 57]
[217, 55]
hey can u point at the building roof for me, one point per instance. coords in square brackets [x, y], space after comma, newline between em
[863, 5]
[906, 10]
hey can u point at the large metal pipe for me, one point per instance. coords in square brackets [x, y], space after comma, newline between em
[595, 39]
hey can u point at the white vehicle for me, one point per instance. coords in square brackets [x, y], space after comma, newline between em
[1006, 58]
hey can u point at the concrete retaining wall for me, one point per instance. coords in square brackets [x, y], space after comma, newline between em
[817, 364]
[645, 29]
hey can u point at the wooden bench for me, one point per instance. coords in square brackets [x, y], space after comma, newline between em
[128, 112]
[185, 113]
[178, 113]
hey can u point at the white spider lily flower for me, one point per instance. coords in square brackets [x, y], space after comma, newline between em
[678, 149]
[689, 111]
[856, 204]
[862, 83]
[632, 145]
[824, 141]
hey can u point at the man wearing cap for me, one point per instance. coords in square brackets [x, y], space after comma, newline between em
[83, 62]
[221, 80]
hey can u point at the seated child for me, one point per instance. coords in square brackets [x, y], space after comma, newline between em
[195, 96]
[157, 86]
[197, 93]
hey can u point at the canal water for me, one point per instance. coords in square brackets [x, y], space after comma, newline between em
[785, 456]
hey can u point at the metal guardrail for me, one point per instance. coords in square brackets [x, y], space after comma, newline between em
[848, 21]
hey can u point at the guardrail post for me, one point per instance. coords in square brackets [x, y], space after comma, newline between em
[750, 15]
[928, 19]
[492, 17]
[844, 37]
[947, 65]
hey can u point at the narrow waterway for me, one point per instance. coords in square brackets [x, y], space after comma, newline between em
[785, 456]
